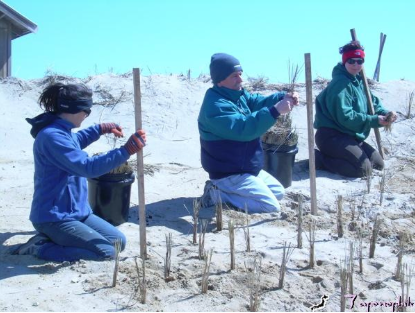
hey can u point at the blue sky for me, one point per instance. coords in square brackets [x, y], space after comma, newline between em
[88, 37]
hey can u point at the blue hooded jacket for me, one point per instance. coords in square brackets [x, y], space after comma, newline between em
[61, 168]
[231, 123]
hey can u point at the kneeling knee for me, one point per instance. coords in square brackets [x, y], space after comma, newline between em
[109, 250]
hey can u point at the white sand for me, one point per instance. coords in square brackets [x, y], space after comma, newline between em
[170, 108]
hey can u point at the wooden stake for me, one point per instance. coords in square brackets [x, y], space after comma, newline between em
[140, 165]
[310, 127]
[382, 43]
[369, 100]
[231, 227]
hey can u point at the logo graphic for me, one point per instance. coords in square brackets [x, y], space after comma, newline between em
[321, 305]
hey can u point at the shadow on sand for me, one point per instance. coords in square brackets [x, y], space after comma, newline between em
[15, 265]
[174, 213]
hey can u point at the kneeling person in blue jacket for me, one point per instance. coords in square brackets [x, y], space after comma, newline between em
[68, 230]
[231, 122]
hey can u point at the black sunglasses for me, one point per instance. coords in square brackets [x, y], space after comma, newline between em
[87, 112]
[353, 61]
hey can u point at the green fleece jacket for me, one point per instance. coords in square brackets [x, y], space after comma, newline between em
[343, 106]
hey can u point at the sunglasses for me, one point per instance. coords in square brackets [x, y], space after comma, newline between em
[358, 61]
[87, 112]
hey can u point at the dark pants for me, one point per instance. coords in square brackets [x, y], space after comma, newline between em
[344, 155]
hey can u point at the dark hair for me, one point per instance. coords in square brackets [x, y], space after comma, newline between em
[353, 45]
[48, 100]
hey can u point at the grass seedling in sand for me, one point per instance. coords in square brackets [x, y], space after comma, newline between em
[253, 268]
[286, 254]
[382, 186]
[219, 220]
[167, 260]
[406, 279]
[360, 249]
[402, 240]
[368, 176]
[344, 277]
[375, 232]
[350, 267]
[117, 247]
[231, 226]
[247, 234]
[311, 240]
[203, 227]
[206, 273]
[300, 222]
[196, 210]
[340, 216]
[353, 211]
[141, 280]
[408, 107]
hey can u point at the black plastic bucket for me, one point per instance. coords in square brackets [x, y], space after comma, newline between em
[279, 162]
[109, 196]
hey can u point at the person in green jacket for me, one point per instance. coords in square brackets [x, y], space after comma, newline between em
[343, 121]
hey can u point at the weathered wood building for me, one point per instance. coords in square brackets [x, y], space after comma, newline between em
[12, 25]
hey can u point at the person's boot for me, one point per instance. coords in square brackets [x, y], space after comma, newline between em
[32, 246]
[206, 199]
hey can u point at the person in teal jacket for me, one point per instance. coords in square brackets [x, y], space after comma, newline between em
[68, 230]
[231, 122]
[343, 121]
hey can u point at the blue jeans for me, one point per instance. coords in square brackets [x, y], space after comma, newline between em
[89, 239]
[260, 194]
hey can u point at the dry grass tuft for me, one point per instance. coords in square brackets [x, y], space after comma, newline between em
[206, 273]
[117, 247]
[410, 102]
[286, 254]
[253, 267]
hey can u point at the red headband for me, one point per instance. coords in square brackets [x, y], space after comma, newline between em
[353, 54]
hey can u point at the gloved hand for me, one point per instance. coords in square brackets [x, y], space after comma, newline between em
[108, 128]
[136, 142]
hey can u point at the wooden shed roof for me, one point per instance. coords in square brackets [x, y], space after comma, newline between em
[20, 24]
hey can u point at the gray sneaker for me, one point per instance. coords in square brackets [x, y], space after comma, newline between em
[206, 199]
[32, 246]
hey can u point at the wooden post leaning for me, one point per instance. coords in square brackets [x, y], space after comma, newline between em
[369, 100]
[140, 165]
[310, 128]
[377, 69]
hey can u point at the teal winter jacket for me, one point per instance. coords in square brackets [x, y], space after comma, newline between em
[343, 106]
[231, 123]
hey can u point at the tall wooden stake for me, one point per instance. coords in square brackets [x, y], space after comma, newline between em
[311, 158]
[140, 165]
[382, 43]
[369, 100]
